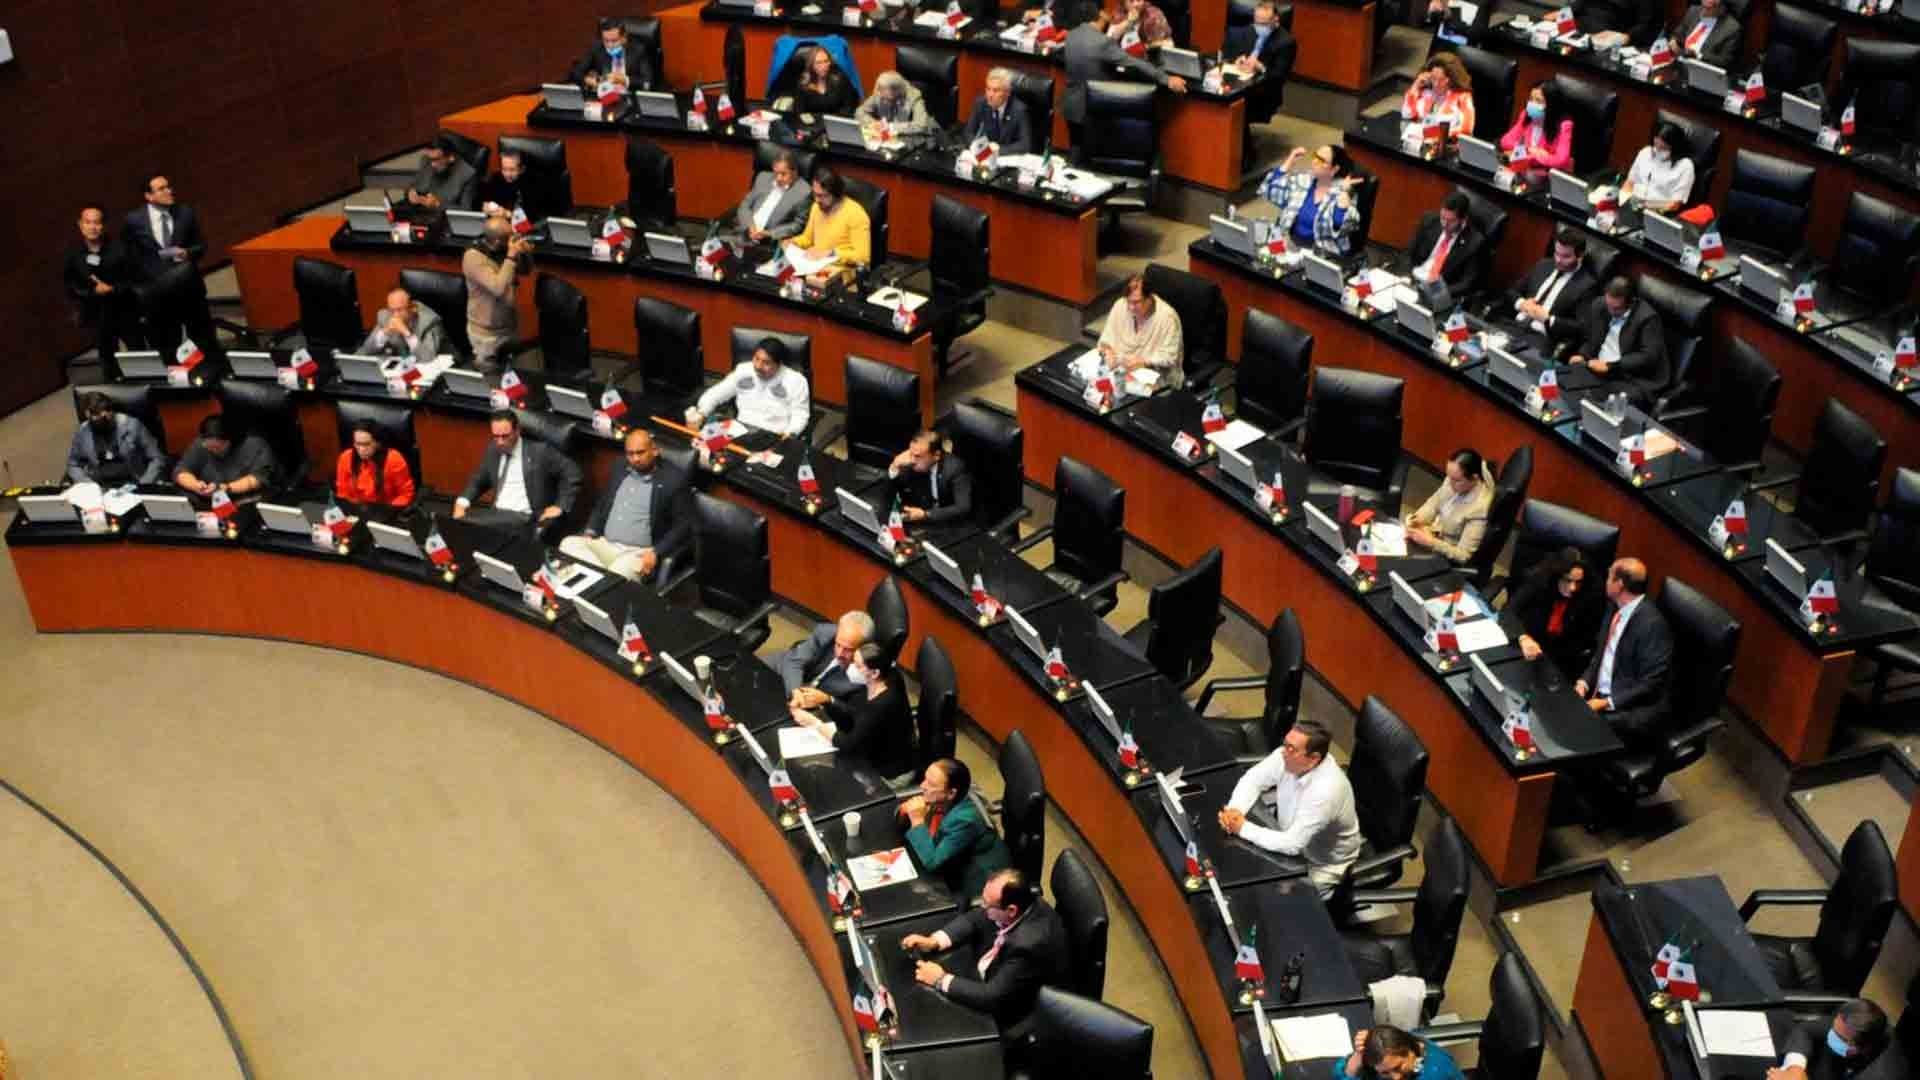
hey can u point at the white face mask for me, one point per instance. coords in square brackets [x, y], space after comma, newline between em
[1661, 157]
[857, 672]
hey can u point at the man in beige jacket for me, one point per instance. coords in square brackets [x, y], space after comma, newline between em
[493, 268]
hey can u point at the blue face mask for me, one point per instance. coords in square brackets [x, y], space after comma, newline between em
[617, 51]
[1837, 1044]
[1535, 110]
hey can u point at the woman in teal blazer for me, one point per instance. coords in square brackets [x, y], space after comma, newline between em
[947, 834]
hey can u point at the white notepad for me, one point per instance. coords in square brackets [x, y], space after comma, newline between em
[1303, 1038]
[799, 742]
[880, 869]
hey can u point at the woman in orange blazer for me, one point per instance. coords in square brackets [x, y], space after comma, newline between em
[371, 474]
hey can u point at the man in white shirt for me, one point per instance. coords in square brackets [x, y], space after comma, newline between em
[1311, 802]
[1627, 679]
[767, 394]
[776, 209]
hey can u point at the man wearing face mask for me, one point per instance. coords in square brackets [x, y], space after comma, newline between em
[1013, 944]
[1839, 1049]
[216, 463]
[406, 328]
[1256, 49]
[613, 57]
[492, 268]
[110, 449]
[875, 723]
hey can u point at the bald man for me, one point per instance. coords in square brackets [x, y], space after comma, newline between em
[406, 328]
[642, 517]
[493, 267]
[1628, 679]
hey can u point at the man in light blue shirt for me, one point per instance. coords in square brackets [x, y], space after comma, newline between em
[640, 518]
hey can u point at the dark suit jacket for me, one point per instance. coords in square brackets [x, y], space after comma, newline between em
[802, 664]
[1810, 1041]
[114, 267]
[878, 730]
[1035, 955]
[1276, 56]
[639, 66]
[1531, 608]
[956, 491]
[1067, 14]
[552, 478]
[789, 214]
[1722, 46]
[1642, 671]
[1090, 54]
[1568, 304]
[1013, 134]
[145, 247]
[672, 514]
[1638, 19]
[1642, 370]
[1466, 265]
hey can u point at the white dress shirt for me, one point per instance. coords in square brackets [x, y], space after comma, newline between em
[1610, 345]
[1314, 810]
[1657, 183]
[764, 212]
[161, 221]
[1603, 682]
[511, 494]
[1548, 292]
[779, 404]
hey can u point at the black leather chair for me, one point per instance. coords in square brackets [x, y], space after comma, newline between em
[1509, 493]
[671, 354]
[1854, 914]
[1286, 673]
[1203, 320]
[1179, 15]
[765, 151]
[1799, 49]
[1546, 528]
[652, 198]
[1023, 805]
[1703, 148]
[566, 351]
[446, 294]
[1270, 382]
[873, 199]
[1075, 1036]
[1840, 481]
[1513, 1037]
[733, 569]
[959, 264]
[1365, 194]
[1388, 771]
[1121, 137]
[1878, 78]
[744, 339]
[1705, 638]
[1736, 420]
[733, 61]
[883, 411]
[938, 713]
[992, 443]
[1594, 110]
[643, 35]
[1684, 316]
[1083, 910]
[936, 74]
[268, 410]
[1037, 92]
[1893, 576]
[1088, 534]
[1878, 250]
[552, 429]
[1439, 903]
[329, 297]
[1182, 614]
[1353, 435]
[133, 399]
[472, 151]
[548, 184]
[392, 425]
[1495, 80]
[1491, 219]
[890, 620]
[1768, 202]
[175, 302]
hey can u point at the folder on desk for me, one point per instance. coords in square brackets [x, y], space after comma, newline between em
[1303, 1038]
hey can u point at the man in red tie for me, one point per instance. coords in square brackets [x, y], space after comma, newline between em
[1447, 247]
[1020, 945]
[1628, 678]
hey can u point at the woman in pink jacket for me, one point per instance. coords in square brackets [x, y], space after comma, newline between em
[1541, 137]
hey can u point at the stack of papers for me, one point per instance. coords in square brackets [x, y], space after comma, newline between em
[804, 263]
[1463, 604]
[1236, 434]
[1736, 1032]
[1303, 1038]
[799, 742]
[880, 869]
[1389, 539]
[934, 20]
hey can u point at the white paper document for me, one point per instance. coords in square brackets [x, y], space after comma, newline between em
[1236, 434]
[1479, 634]
[934, 20]
[1306, 1037]
[880, 869]
[1389, 539]
[1463, 604]
[799, 742]
[1739, 1032]
[86, 495]
[804, 263]
[120, 501]
[891, 298]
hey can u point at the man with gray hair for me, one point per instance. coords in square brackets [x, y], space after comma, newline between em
[815, 670]
[492, 268]
[897, 104]
[1001, 117]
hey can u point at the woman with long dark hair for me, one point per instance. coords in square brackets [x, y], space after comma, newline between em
[371, 473]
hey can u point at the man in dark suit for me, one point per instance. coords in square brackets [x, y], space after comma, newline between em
[1636, 20]
[1632, 667]
[1837, 1049]
[613, 57]
[1016, 944]
[1001, 117]
[528, 479]
[934, 486]
[1263, 47]
[642, 517]
[776, 209]
[1621, 340]
[1090, 54]
[815, 670]
[1447, 247]
[99, 278]
[1708, 31]
[1556, 290]
[1066, 14]
[163, 232]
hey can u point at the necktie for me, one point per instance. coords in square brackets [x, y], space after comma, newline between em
[1439, 259]
[933, 823]
[166, 228]
[506, 462]
[1546, 289]
[986, 961]
[824, 672]
[1698, 35]
[933, 484]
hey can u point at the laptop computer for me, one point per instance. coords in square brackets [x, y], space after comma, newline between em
[570, 232]
[655, 105]
[361, 368]
[592, 614]
[1511, 370]
[1601, 426]
[395, 539]
[1415, 319]
[1568, 190]
[563, 97]
[944, 565]
[48, 509]
[1802, 113]
[141, 364]
[1028, 636]
[1269, 1043]
[570, 402]
[1239, 466]
[1480, 154]
[1770, 285]
[1324, 528]
[466, 224]
[1789, 572]
[1103, 712]
[368, 219]
[1182, 62]
[1410, 603]
[1704, 77]
[1230, 233]
[682, 677]
[466, 383]
[1326, 274]
[669, 249]
[500, 572]
[252, 365]
[857, 510]
[279, 517]
[1663, 232]
[170, 508]
[1488, 685]
[844, 131]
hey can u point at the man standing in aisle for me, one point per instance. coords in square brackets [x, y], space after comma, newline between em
[493, 268]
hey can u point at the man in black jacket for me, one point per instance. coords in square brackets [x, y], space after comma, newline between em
[1001, 117]
[1622, 341]
[528, 479]
[1448, 247]
[1708, 31]
[1631, 672]
[1553, 293]
[1836, 1049]
[1263, 47]
[1015, 945]
[814, 671]
[613, 57]
[1090, 54]
[1636, 20]
[641, 518]
[163, 232]
[934, 486]
[99, 278]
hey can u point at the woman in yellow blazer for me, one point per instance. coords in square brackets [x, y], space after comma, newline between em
[837, 226]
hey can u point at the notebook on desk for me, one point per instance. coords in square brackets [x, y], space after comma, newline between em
[1415, 319]
[668, 249]
[1790, 573]
[169, 508]
[465, 383]
[466, 224]
[1769, 285]
[857, 510]
[570, 232]
[1480, 154]
[47, 509]
[394, 539]
[1667, 234]
[1802, 113]
[1182, 62]
[844, 131]
[570, 402]
[365, 369]
[280, 518]
[1326, 274]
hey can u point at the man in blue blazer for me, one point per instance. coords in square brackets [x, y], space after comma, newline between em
[1001, 117]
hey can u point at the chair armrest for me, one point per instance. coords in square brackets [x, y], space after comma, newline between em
[245, 333]
[1237, 682]
[1848, 538]
[1759, 898]
[1397, 484]
[1777, 482]
[275, 337]
[1008, 525]
[1383, 859]
[832, 432]
[1385, 896]
[1286, 432]
[674, 572]
[1445, 1034]
[1033, 539]
[1684, 412]
[1694, 733]
[1104, 585]
[752, 618]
